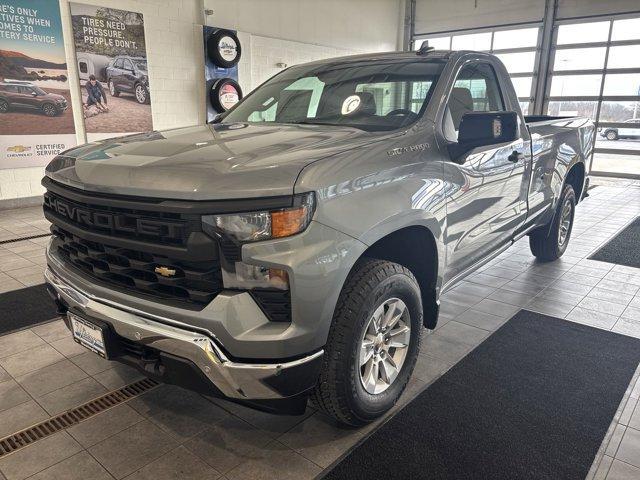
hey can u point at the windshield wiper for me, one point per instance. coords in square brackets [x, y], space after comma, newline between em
[307, 122]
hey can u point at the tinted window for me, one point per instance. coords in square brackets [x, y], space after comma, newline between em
[128, 65]
[118, 63]
[83, 67]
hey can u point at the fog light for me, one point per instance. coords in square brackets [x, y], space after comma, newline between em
[247, 277]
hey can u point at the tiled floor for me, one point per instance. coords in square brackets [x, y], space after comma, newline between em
[172, 433]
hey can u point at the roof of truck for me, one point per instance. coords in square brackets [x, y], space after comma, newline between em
[424, 54]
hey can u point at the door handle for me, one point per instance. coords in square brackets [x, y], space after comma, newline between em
[514, 157]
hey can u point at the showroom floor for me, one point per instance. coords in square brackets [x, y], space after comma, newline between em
[172, 433]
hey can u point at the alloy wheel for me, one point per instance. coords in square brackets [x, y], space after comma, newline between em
[4, 106]
[49, 110]
[112, 88]
[566, 218]
[141, 94]
[384, 346]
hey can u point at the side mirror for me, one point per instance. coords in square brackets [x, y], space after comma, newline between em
[484, 128]
[34, 94]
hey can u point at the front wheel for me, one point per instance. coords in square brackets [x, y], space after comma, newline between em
[142, 94]
[373, 343]
[4, 106]
[548, 243]
[612, 135]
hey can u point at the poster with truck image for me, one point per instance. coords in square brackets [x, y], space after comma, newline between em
[111, 60]
[36, 121]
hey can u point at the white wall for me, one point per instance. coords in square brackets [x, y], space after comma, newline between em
[361, 25]
[271, 31]
[581, 8]
[261, 56]
[173, 37]
[443, 15]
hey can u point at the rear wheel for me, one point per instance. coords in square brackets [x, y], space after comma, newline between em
[113, 91]
[548, 243]
[4, 106]
[612, 135]
[373, 343]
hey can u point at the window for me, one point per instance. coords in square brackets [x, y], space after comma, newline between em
[439, 43]
[610, 97]
[127, 64]
[579, 59]
[119, 63]
[473, 41]
[83, 67]
[522, 37]
[476, 89]
[583, 33]
[388, 95]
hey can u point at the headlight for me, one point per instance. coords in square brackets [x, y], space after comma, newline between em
[256, 226]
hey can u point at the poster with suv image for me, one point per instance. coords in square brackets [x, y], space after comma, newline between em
[111, 59]
[36, 121]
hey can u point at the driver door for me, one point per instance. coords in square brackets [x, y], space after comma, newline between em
[487, 201]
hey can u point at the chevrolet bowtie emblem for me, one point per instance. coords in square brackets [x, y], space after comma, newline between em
[165, 271]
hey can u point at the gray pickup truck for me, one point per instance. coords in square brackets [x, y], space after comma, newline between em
[297, 246]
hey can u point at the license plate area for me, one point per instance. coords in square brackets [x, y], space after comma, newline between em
[90, 334]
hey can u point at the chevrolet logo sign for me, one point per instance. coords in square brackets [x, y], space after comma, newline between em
[165, 271]
[18, 149]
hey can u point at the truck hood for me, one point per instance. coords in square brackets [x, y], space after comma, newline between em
[208, 162]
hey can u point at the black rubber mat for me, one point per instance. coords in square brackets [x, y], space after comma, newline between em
[533, 401]
[25, 307]
[624, 248]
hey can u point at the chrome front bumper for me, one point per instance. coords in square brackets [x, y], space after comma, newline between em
[241, 381]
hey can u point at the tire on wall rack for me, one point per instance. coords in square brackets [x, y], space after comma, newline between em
[223, 48]
[224, 93]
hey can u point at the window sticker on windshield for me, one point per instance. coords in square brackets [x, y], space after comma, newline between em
[350, 104]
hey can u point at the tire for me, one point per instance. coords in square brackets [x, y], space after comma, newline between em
[49, 110]
[4, 106]
[213, 48]
[611, 135]
[548, 243]
[142, 94]
[341, 391]
[219, 87]
[113, 91]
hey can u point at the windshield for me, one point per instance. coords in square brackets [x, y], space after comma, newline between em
[370, 95]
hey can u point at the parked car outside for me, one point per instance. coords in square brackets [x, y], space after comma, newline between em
[614, 133]
[26, 95]
[129, 75]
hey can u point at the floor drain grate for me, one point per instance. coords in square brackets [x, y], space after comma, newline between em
[69, 418]
[30, 237]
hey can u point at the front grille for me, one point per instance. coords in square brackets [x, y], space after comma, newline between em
[135, 271]
[163, 227]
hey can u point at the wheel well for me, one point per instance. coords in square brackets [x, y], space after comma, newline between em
[575, 178]
[414, 248]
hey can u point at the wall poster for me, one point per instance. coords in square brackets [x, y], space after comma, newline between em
[36, 121]
[111, 57]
